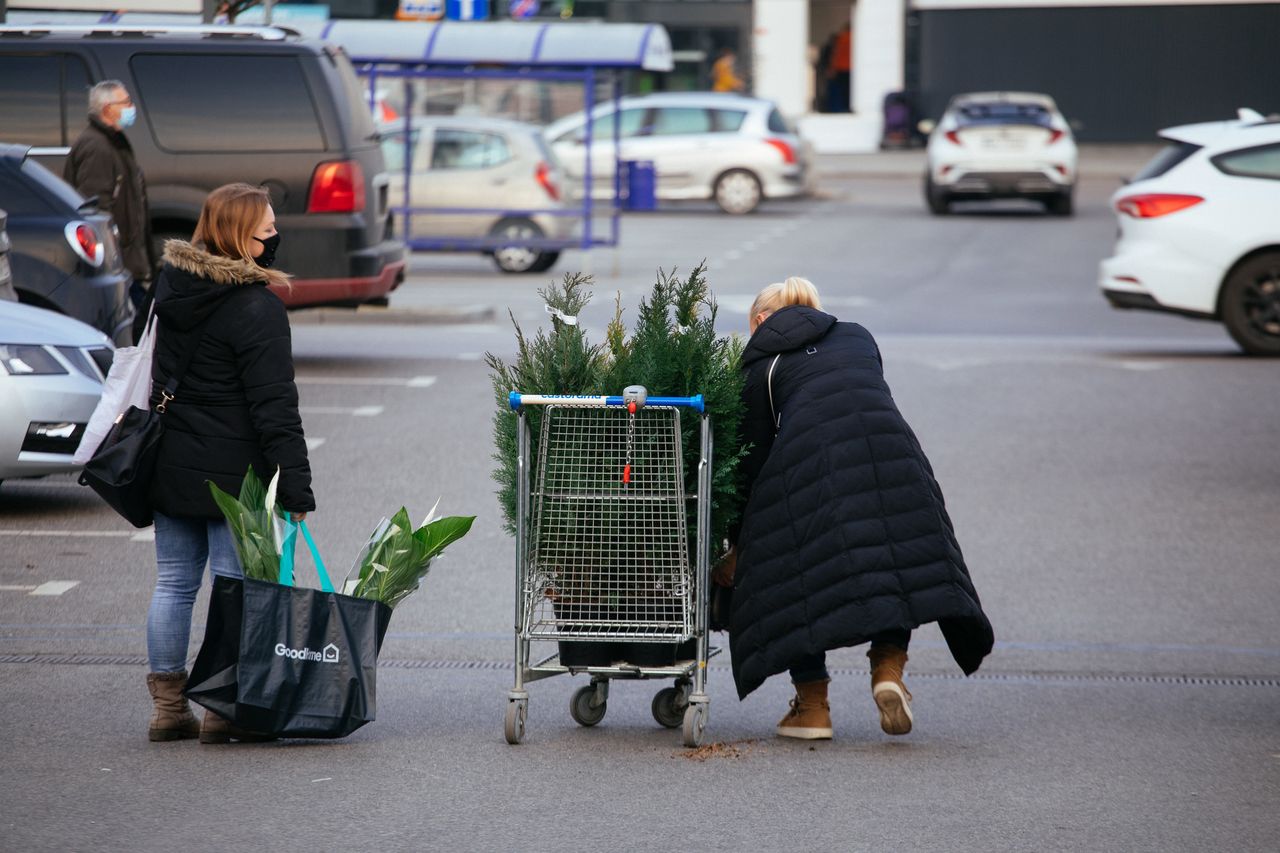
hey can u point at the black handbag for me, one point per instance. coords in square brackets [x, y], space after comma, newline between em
[123, 466]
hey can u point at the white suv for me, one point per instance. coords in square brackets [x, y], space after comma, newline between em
[1200, 230]
[1001, 145]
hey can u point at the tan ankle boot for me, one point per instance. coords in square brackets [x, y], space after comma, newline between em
[172, 719]
[810, 714]
[891, 696]
[218, 729]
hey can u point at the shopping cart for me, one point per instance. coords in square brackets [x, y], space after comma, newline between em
[603, 563]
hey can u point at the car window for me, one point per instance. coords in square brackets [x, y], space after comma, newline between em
[779, 124]
[1260, 162]
[1166, 159]
[30, 99]
[75, 96]
[20, 199]
[672, 121]
[247, 103]
[393, 149]
[1002, 112]
[602, 126]
[728, 121]
[468, 149]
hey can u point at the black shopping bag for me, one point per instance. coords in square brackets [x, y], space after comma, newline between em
[286, 661]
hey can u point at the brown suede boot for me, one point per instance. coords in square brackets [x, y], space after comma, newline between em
[810, 715]
[218, 729]
[891, 696]
[172, 719]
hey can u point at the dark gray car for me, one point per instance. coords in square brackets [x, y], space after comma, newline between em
[64, 254]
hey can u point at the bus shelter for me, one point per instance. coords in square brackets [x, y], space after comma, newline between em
[592, 55]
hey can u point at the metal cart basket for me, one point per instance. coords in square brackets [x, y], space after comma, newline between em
[604, 566]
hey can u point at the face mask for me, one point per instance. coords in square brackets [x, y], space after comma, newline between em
[128, 115]
[268, 256]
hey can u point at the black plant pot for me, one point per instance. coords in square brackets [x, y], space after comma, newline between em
[660, 654]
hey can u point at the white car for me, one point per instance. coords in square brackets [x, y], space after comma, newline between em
[1200, 230]
[51, 373]
[486, 178]
[1001, 145]
[734, 149]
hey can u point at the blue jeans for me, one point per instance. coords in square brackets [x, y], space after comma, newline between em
[183, 547]
[815, 668]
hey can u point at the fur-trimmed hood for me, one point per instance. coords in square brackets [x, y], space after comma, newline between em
[213, 268]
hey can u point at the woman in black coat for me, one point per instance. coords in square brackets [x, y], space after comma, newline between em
[236, 406]
[845, 538]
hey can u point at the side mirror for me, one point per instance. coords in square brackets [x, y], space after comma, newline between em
[926, 126]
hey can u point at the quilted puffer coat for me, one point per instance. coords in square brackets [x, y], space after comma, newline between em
[237, 405]
[844, 534]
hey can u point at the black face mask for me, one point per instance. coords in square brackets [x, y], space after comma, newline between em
[269, 246]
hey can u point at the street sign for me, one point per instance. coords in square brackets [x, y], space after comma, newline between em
[521, 9]
[466, 10]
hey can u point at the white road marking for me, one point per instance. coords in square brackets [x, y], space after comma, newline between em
[1143, 365]
[53, 587]
[72, 534]
[357, 412]
[313, 443]
[396, 381]
[15, 587]
[469, 356]
[147, 534]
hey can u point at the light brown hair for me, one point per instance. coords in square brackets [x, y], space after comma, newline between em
[228, 219]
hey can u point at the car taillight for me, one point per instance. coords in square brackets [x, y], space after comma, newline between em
[337, 187]
[1151, 205]
[1055, 135]
[85, 243]
[788, 153]
[953, 137]
[543, 176]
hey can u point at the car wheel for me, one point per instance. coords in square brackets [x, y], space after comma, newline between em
[517, 258]
[936, 198]
[738, 191]
[1250, 305]
[1063, 204]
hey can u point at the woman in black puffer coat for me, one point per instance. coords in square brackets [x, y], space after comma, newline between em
[845, 538]
[236, 407]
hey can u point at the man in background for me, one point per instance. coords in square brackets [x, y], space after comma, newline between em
[101, 165]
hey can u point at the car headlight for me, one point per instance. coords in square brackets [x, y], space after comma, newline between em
[29, 360]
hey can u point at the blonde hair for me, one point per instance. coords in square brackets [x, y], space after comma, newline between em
[228, 219]
[793, 291]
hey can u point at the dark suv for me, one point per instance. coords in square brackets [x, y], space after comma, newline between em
[217, 105]
[64, 254]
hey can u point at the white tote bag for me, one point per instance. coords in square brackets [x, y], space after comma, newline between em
[128, 384]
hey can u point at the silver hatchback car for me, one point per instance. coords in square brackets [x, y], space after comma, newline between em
[734, 149]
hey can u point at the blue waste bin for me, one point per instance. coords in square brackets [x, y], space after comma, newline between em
[639, 182]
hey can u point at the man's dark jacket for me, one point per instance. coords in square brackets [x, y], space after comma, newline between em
[844, 534]
[101, 164]
[237, 405]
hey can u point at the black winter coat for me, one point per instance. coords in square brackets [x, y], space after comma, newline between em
[844, 534]
[237, 405]
[101, 164]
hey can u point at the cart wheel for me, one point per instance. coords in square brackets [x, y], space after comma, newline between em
[581, 709]
[517, 710]
[668, 707]
[695, 723]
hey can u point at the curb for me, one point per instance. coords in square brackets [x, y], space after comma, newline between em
[379, 315]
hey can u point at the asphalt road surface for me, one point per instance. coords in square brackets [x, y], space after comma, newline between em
[1112, 476]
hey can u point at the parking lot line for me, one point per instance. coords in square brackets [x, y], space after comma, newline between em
[53, 587]
[357, 412]
[313, 443]
[72, 534]
[395, 381]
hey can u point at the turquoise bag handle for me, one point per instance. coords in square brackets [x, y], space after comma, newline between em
[287, 555]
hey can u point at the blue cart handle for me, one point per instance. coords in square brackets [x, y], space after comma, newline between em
[516, 400]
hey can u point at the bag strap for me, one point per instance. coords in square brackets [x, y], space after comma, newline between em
[170, 389]
[777, 419]
[287, 549]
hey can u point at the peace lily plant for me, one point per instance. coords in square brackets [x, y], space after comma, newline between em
[391, 565]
